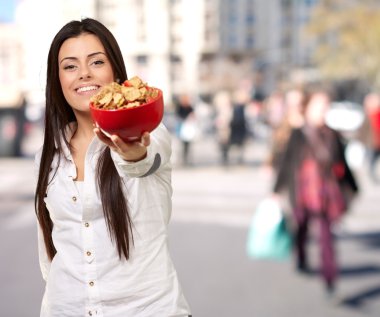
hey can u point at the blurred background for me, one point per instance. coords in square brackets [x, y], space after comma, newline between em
[226, 67]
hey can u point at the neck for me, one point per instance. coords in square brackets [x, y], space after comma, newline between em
[85, 127]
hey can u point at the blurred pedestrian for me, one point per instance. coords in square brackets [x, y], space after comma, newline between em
[274, 109]
[231, 122]
[238, 123]
[187, 126]
[372, 126]
[20, 126]
[223, 108]
[315, 173]
[102, 204]
[295, 101]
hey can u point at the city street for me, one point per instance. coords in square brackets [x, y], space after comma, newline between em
[236, 79]
[212, 208]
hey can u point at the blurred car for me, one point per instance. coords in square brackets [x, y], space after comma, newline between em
[348, 117]
[345, 116]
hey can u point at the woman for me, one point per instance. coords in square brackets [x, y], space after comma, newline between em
[102, 205]
[223, 115]
[186, 125]
[315, 172]
[295, 100]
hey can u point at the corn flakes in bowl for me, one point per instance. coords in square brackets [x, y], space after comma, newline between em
[128, 109]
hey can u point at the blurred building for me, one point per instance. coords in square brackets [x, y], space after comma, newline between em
[11, 73]
[11, 53]
[283, 53]
[11, 70]
[201, 46]
[197, 46]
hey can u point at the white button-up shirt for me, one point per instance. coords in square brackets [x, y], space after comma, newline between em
[86, 276]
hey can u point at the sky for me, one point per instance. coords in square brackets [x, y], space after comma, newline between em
[7, 11]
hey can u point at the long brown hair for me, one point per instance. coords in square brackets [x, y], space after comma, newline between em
[58, 114]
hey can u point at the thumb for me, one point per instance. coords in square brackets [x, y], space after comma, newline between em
[145, 139]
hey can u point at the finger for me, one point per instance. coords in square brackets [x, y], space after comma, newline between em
[118, 143]
[145, 139]
[125, 145]
[102, 137]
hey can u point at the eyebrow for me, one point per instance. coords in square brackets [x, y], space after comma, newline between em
[75, 58]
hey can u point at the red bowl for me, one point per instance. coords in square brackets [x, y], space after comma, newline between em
[130, 123]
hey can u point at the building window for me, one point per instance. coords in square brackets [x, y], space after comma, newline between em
[175, 58]
[250, 19]
[232, 18]
[250, 41]
[142, 59]
[232, 41]
[311, 3]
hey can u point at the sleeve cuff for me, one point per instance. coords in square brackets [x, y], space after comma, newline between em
[143, 168]
[158, 155]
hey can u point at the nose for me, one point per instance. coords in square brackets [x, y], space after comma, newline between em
[85, 76]
[85, 73]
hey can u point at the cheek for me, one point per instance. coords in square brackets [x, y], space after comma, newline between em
[104, 74]
[66, 86]
[65, 83]
[108, 75]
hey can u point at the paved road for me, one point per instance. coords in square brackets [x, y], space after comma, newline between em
[211, 226]
[212, 207]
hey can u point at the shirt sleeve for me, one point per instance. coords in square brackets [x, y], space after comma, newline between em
[42, 254]
[158, 156]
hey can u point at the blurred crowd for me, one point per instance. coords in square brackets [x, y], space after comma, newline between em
[235, 119]
[310, 157]
[314, 142]
[238, 118]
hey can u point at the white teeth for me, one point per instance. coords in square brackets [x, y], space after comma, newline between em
[87, 88]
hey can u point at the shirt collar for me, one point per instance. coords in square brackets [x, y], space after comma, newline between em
[68, 134]
[95, 145]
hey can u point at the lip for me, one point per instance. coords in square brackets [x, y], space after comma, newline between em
[87, 89]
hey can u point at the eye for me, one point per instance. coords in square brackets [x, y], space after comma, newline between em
[98, 62]
[69, 67]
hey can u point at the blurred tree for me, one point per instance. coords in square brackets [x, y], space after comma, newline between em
[347, 35]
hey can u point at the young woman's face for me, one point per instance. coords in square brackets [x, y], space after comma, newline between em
[83, 69]
[317, 108]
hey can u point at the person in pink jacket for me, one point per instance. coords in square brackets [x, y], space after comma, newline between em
[315, 173]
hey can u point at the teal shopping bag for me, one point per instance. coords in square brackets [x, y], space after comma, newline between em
[268, 235]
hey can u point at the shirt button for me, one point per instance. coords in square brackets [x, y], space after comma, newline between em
[91, 283]
[74, 198]
[86, 224]
[88, 253]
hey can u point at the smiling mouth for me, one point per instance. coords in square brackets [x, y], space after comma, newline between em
[87, 88]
